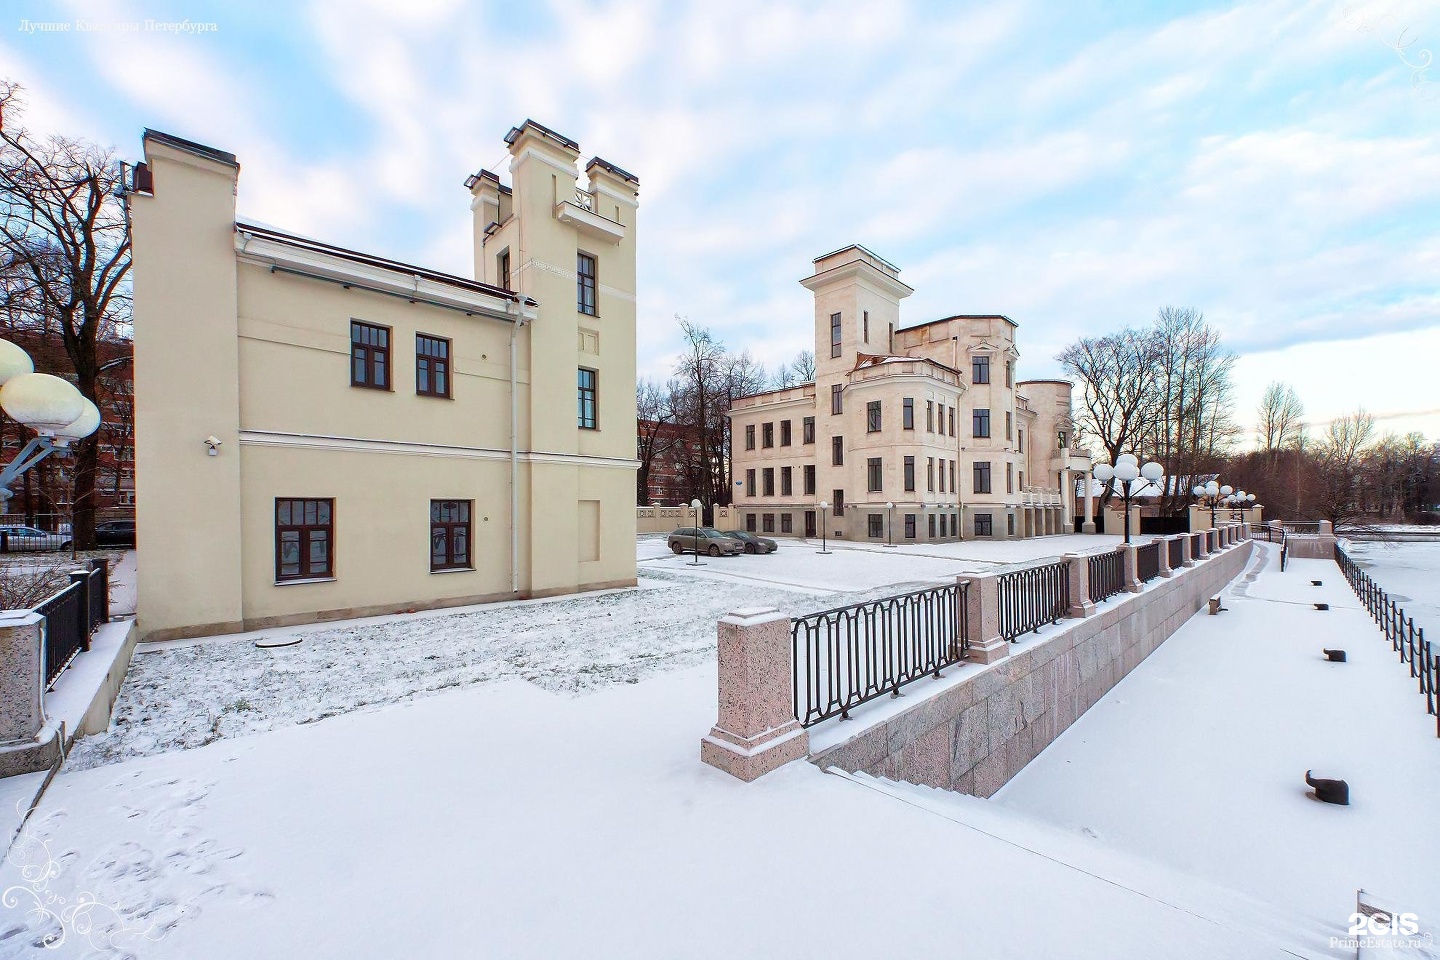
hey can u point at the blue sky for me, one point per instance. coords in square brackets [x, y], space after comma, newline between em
[1075, 166]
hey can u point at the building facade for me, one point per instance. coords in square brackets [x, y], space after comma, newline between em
[322, 433]
[907, 434]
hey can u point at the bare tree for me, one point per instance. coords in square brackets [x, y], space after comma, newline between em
[1340, 457]
[1280, 419]
[803, 366]
[653, 413]
[63, 228]
[1116, 403]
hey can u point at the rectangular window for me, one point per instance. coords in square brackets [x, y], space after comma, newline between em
[750, 482]
[767, 479]
[807, 430]
[1010, 523]
[932, 526]
[942, 476]
[979, 369]
[837, 451]
[767, 523]
[839, 503]
[910, 474]
[432, 366]
[749, 436]
[953, 487]
[1009, 373]
[502, 272]
[837, 405]
[787, 523]
[983, 525]
[909, 526]
[589, 389]
[980, 422]
[1009, 477]
[369, 355]
[809, 479]
[872, 416]
[873, 474]
[867, 328]
[767, 435]
[1064, 440]
[907, 414]
[1009, 422]
[930, 415]
[982, 476]
[785, 433]
[890, 341]
[786, 483]
[1020, 439]
[304, 539]
[952, 421]
[876, 525]
[834, 335]
[930, 474]
[585, 284]
[449, 534]
[750, 522]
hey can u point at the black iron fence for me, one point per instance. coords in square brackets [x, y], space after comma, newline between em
[1176, 554]
[72, 615]
[1268, 533]
[1405, 638]
[1302, 528]
[1033, 597]
[1107, 575]
[34, 532]
[846, 656]
[1147, 562]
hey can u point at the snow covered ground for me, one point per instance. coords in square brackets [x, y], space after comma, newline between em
[1409, 572]
[1196, 759]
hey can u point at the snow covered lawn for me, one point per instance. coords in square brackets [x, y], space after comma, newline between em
[1197, 758]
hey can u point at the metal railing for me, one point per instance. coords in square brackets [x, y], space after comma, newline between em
[1147, 561]
[1107, 575]
[1268, 533]
[1405, 638]
[1033, 597]
[1196, 539]
[72, 615]
[848, 655]
[1176, 554]
[1302, 528]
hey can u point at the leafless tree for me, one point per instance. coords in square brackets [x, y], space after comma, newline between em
[63, 229]
[653, 413]
[1280, 419]
[1340, 457]
[1116, 402]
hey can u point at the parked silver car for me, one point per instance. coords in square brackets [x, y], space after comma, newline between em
[752, 543]
[704, 540]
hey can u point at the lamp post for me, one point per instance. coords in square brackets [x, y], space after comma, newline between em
[1127, 471]
[824, 524]
[696, 505]
[1211, 493]
[50, 406]
[889, 523]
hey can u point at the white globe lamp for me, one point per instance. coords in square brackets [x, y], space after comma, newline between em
[1127, 458]
[1152, 471]
[41, 402]
[1126, 470]
[1103, 472]
[1212, 489]
[84, 425]
[14, 362]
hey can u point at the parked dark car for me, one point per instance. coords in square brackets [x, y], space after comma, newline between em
[704, 540]
[115, 533]
[753, 544]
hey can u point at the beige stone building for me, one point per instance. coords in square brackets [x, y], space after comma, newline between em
[323, 433]
[918, 433]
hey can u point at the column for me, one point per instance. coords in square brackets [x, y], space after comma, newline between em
[756, 730]
[982, 618]
[1088, 524]
[1080, 605]
[1186, 542]
[1165, 555]
[27, 743]
[1067, 502]
[1132, 571]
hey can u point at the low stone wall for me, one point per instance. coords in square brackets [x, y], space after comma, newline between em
[974, 736]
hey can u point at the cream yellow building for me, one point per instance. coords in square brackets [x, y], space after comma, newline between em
[919, 433]
[322, 433]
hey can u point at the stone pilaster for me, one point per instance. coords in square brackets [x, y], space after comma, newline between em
[1187, 545]
[1131, 566]
[27, 743]
[1164, 542]
[982, 619]
[756, 730]
[1080, 605]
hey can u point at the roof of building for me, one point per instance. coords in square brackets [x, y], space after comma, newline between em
[190, 146]
[1065, 383]
[865, 250]
[876, 359]
[382, 262]
[763, 393]
[544, 131]
[618, 171]
[960, 316]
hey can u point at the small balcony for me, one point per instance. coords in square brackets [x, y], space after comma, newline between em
[581, 214]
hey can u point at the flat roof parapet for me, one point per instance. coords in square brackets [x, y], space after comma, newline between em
[190, 146]
[543, 131]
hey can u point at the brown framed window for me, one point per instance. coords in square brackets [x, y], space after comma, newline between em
[749, 436]
[907, 414]
[502, 269]
[450, 535]
[432, 366]
[787, 481]
[369, 355]
[767, 435]
[838, 507]
[834, 335]
[872, 416]
[785, 435]
[589, 387]
[304, 539]
[809, 479]
[585, 284]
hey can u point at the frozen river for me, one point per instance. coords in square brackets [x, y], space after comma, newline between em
[1409, 572]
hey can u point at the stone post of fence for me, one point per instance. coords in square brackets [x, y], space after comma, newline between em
[1164, 552]
[982, 619]
[757, 730]
[1187, 544]
[26, 743]
[1080, 605]
[1130, 566]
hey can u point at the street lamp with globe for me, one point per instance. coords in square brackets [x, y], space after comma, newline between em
[824, 522]
[890, 523]
[1124, 478]
[697, 506]
[1211, 493]
[51, 406]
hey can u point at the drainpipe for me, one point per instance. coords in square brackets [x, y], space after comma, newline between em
[514, 463]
